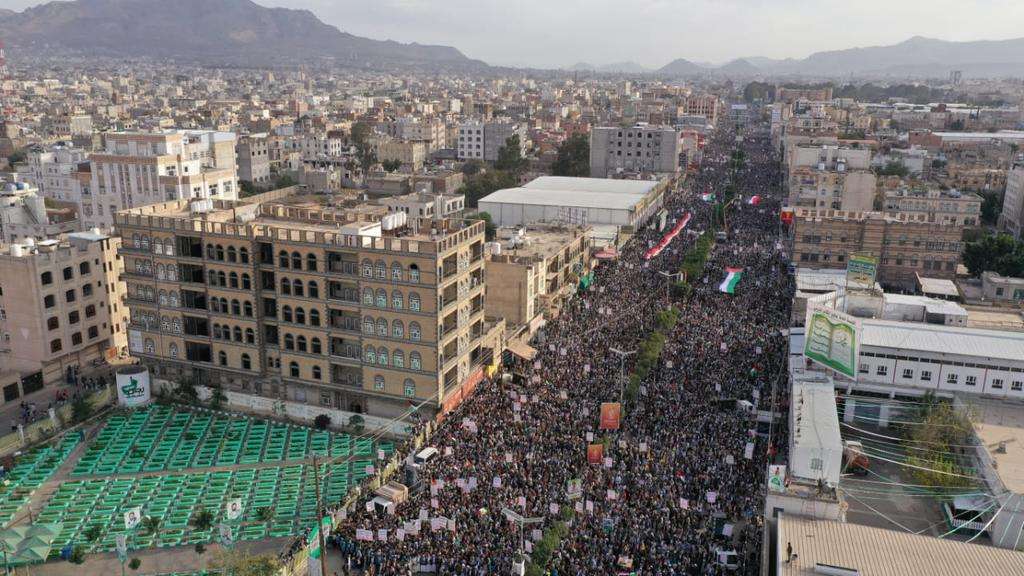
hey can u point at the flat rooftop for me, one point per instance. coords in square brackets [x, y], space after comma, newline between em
[882, 552]
[942, 339]
[1001, 422]
[591, 185]
[541, 241]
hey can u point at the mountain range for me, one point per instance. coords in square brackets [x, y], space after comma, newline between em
[915, 57]
[241, 32]
[208, 31]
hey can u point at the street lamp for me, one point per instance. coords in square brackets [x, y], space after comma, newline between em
[622, 354]
[519, 566]
[668, 280]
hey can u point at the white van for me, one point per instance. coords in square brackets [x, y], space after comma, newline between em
[424, 456]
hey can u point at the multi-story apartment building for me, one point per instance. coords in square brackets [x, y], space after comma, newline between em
[53, 170]
[907, 245]
[1011, 219]
[939, 206]
[431, 131]
[483, 140]
[61, 304]
[253, 152]
[640, 148]
[497, 133]
[326, 308]
[534, 270]
[706, 105]
[136, 169]
[837, 189]
[411, 154]
[471, 141]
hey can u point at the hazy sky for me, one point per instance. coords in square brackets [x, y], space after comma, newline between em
[552, 33]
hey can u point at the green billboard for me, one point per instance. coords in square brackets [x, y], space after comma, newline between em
[832, 340]
[861, 270]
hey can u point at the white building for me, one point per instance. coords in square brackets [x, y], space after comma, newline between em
[23, 215]
[583, 201]
[471, 141]
[1012, 217]
[53, 169]
[481, 141]
[140, 168]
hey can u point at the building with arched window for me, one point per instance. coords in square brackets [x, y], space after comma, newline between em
[314, 304]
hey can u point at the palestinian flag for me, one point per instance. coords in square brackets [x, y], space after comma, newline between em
[754, 200]
[732, 278]
[709, 197]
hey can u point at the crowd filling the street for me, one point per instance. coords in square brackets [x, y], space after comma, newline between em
[678, 487]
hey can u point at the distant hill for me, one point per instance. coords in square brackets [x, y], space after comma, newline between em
[212, 31]
[620, 67]
[738, 68]
[681, 67]
[917, 56]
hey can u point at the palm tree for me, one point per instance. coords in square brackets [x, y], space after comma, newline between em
[202, 520]
[149, 525]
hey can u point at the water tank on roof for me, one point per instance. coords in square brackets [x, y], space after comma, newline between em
[17, 250]
[30, 241]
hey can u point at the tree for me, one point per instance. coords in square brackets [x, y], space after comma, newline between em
[202, 520]
[991, 206]
[472, 167]
[893, 168]
[957, 125]
[81, 409]
[264, 514]
[997, 253]
[247, 188]
[149, 525]
[476, 187]
[573, 157]
[217, 397]
[77, 555]
[391, 165]
[284, 181]
[322, 421]
[357, 423]
[134, 563]
[510, 156]
[92, 533]
[490, 230]
[361, 132]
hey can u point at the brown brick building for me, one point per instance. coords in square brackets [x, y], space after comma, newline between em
[907, 245]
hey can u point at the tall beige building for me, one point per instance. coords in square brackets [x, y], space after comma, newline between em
[140, 168]
[61, 304]
[275, 298]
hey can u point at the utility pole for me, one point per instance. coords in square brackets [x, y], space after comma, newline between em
[522, 522]
[319, 516]
[668, 280]
[622, 368]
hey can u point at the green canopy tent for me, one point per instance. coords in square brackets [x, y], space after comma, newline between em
[28, 544]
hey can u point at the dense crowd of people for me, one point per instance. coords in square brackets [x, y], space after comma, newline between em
[679, 487]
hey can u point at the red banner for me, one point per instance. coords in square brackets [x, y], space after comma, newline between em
[595, 453]
[667, 238]
[611, 415]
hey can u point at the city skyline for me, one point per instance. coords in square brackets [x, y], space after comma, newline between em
[536, 35]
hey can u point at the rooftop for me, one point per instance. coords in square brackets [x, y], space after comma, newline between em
[1000, 423]
[942, 339]
[536, 241]
[881, 552]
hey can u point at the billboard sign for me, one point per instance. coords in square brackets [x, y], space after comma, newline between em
[776, 478]
[133, 387]
[861, 270]
[833, 340]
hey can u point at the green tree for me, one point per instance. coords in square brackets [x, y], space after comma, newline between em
[202, 520]
[472, 167]
[997, 253]
[246, 188]
[391, 165]
[991, 206]
[284, 181]
[361, 132]
[134, 563]
[893, 168]
[92, 533]
[77, 555]
[81, 409]
[490, 230]
[357, 423]
[149, 526]
[322, 421]
[573, 157]
[510, 156]
[476, 187]
[264, 514]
